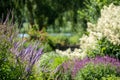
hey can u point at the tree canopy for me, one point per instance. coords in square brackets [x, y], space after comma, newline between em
[45, 12]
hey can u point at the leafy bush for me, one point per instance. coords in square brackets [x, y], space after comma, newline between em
[106, 48]
[59, 39]
[7, 69]
[96, 68]
[110, 77]
[49, 63]
[73, 39]
[47, 47]
[64, 71]
[94, 72]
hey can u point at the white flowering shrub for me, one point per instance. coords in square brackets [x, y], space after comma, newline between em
[104, 36]
[109, 23]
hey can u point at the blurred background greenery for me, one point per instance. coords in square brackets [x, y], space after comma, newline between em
[53, 21]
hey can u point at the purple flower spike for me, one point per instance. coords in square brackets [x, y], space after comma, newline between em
[29, 55]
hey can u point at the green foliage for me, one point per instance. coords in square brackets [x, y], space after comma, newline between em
[110, 77]
[105, 47]
[43, 12]
[58, 39]
[34, 34]
[74, 39]
[49, 63]
[47, 47]
[64, 71]
[64, 40]
[95, 72]
[9, 70]
[109, 48]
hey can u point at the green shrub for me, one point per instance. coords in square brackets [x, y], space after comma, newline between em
[105, 47]
[49, 63]
[59, 39]
[74, 39]
[47, 47]
[94, 72]
[111, 77]
[64, 71]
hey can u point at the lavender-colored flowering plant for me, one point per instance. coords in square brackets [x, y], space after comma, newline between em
[16, 61]
[87, 66]
[105, 60]
[28, 56]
